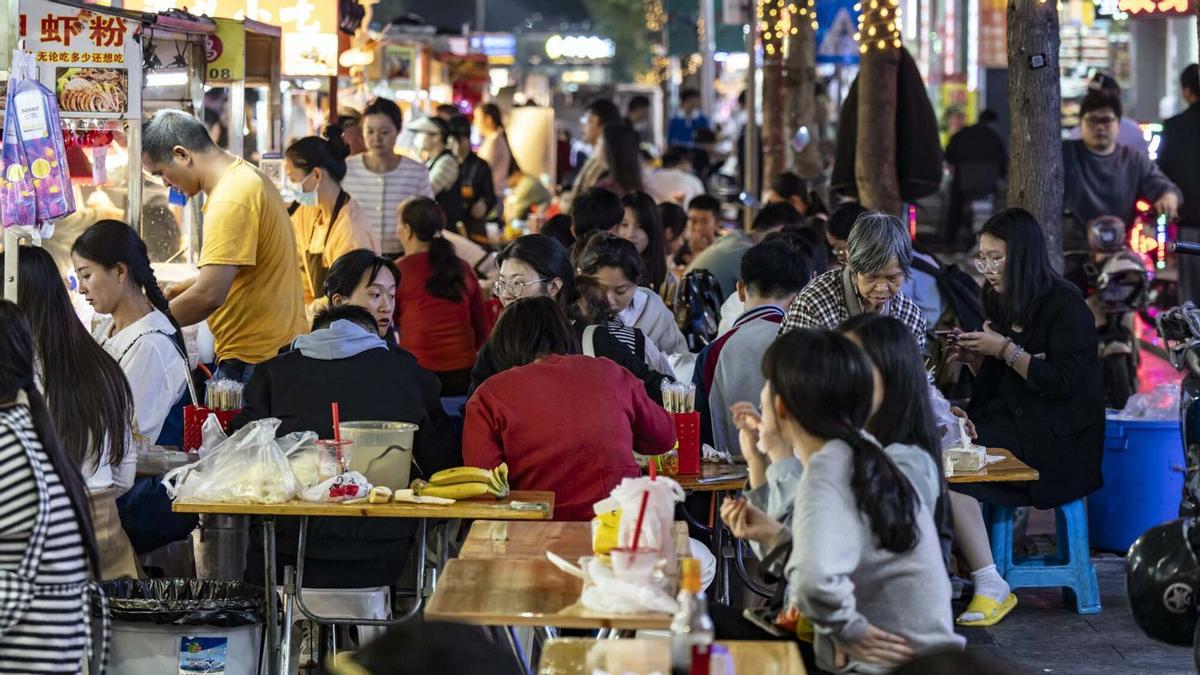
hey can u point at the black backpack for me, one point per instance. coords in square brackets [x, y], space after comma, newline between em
[960, 293]
[698, 308]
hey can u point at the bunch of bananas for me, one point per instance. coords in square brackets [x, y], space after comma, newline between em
[464, 482]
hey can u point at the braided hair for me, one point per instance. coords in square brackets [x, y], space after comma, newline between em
[109, 242]
[825, 384]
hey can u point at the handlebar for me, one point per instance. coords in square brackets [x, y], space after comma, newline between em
[1184, 247]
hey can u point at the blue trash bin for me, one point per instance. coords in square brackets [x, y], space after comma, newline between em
[1143, 481]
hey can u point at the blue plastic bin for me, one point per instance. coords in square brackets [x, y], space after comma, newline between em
[1143, 481]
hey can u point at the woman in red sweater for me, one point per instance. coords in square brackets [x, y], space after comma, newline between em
[440, 316]
[563, 422]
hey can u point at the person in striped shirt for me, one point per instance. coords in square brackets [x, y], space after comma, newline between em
[380, 179]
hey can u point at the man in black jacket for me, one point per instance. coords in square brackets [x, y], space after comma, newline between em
[344, 360]
[1177, 159]
[473, 196]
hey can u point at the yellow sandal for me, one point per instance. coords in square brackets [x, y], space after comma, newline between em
[991, 610]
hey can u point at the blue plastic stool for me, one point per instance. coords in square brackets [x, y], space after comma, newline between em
[1070, 568]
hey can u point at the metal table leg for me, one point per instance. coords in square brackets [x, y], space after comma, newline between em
[418, 601]
[268, 528]
[285, 642]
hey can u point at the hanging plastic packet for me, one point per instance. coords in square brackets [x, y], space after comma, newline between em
[33, 153]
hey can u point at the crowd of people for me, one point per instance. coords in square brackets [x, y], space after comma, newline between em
[378, 287]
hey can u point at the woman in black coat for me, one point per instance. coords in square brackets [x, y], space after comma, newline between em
[1038, 390]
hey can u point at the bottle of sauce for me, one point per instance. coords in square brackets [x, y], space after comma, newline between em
[691, 628]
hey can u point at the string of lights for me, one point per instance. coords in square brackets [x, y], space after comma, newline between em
[878, 25]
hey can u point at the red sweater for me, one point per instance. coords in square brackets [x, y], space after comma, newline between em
[444, 335]
[566, 424]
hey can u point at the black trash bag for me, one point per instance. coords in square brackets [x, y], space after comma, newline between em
[185, 602]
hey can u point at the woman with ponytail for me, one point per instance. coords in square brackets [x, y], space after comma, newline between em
[47, 547]
[139, 332]
[89, 402]
[327, 221]
[440, 314]
[866, 567]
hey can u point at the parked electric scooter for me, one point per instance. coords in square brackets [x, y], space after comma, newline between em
[1114, 280]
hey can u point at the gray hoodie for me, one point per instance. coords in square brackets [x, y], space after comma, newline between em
[341, 340]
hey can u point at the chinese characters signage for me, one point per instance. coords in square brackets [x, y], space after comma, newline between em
[993, 34]
[309, 26]
[91, 60]
[225, 52]
[1139, 9]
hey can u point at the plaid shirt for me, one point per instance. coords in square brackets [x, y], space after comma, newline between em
[822, 305]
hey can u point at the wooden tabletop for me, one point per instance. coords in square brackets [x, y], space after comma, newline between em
[582, 656]
[476, 507]
[524, 540]
[1009, 470]
[715, 477]
[503, 592]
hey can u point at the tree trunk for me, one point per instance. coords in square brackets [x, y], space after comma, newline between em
[799, 78]
[774, 148]
[875, 153]
[1035, 164]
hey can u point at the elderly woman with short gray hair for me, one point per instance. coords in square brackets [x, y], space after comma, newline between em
[879, 253]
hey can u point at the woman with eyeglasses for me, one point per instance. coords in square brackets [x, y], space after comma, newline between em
[536, 265]
[1037, 393]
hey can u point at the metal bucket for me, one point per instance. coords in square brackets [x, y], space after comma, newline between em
[382, 451]
[219, 544]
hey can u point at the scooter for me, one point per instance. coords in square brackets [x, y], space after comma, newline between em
[1114, 280]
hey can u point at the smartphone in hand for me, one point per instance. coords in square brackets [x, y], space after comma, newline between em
[950, 336]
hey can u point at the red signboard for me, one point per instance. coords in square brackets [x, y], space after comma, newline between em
[1143, 9]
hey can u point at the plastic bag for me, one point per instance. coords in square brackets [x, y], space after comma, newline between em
[1160, 403]
[303, 456]
[658, 525]
[248, 468]
[212, 434]
[36, 188]
[185, 602]
[604, 592]
[347, 487]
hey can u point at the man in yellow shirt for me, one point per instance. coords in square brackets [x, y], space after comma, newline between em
[249, 287]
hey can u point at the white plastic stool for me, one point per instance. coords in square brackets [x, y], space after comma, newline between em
[344, 603]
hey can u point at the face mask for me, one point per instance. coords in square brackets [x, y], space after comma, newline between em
[303, 198]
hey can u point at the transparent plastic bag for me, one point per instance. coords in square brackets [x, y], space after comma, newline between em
[658, 526]
[1160, 403]
[248, 468]
[303, 456]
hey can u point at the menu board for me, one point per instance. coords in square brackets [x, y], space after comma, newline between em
[92, 61]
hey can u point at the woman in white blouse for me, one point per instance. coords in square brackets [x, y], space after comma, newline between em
[89, 400]
[380, 179]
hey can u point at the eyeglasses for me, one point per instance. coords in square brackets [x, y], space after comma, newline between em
[985, 265]
[1099, 121]
[515, 288]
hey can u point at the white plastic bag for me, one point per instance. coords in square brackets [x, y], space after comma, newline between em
[658, 526]
[1160, 403]
[303, 456]
[604, 592]
[347, 487]
[212, 435]
[248, 468]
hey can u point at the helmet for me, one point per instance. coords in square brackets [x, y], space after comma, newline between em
[1123, 281]
[1162, 580]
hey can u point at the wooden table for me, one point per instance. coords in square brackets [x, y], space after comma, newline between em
[578, 656]
[524, 540]
[1009, 470]
[279, 648]
[503, 592]
[715, 477]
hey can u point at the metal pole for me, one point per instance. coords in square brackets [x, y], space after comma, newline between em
[708, 49]
[751, 146]
[11, 242]
[480, 15]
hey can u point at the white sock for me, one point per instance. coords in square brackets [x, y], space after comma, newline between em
[989, 582]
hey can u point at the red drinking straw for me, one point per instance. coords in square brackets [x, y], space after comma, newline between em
[653, 466]
[637, 534]
[337, 433]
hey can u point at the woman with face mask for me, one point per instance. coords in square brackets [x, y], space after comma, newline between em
[327, 222]
[431, 138]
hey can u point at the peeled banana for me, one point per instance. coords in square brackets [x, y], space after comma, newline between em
[464, 482]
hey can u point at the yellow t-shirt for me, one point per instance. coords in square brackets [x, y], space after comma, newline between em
[321, 245]
[247, 225]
